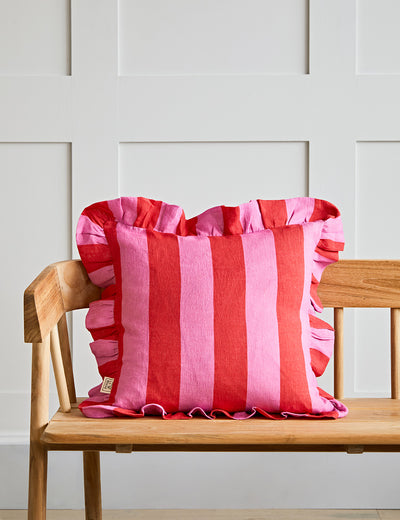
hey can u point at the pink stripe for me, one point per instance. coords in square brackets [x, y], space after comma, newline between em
[132, 386]
[124, 209]
[211, 222]
[169, 218]
[312, 233]
[299, 210]
[320, 262]
[263, 357]
[88, 232]
[103, 277]
[322, 340]
[334, 236]
[100, 314]
[104, 350]
[335, 227]
[84, 239]
[250, 217]
[197, 324]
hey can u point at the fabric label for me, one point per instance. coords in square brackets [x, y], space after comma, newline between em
[107, 385]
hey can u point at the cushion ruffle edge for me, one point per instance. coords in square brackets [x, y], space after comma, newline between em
[168, 218]
[95, 407]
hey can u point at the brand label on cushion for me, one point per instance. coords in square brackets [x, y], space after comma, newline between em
[106, 387]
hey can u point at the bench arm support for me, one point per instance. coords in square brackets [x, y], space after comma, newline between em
[45, 324]
[43, 305]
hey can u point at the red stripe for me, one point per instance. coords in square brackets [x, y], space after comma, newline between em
[123, 412]
[317, 323]
[332, 255]
[163, 382]
[318, 361]
[289, 246]
[110, 230]
[330, 245]
[230, 338]
[186, 227]
[110, 332]
[323, 210]
[95, 256]
[322, 393]
[99, 213]
[232, 224]
[87, 402]
[109, 292]
[273, 213]
[148, 211]
[109, 369]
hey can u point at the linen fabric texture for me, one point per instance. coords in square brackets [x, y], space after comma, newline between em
[214, 315]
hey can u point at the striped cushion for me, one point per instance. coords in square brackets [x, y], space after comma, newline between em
[212, 315]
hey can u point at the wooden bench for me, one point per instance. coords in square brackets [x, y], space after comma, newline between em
[371, 425]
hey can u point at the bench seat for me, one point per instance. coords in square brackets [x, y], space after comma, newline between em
[370, 422]
[371, 425]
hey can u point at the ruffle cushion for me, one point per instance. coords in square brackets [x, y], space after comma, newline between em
[157, 216]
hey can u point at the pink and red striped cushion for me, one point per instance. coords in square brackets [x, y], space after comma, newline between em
[212, 315]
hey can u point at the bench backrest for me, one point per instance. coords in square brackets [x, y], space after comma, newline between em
[65, 286]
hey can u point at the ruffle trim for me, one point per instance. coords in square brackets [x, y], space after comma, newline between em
[249, 217]
[321, 344]
[95, 409]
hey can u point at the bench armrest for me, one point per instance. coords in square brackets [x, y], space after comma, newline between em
[43, 305]
[61, 287]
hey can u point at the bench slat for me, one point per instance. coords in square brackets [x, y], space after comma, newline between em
[395, 352]
[338, 353]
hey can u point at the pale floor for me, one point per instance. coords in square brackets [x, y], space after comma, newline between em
[220, 514]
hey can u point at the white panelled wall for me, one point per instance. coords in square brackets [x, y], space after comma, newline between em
[198, 103]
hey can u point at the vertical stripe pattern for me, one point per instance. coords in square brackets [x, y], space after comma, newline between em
[209, 315]
[311, 234]
[232, 223]
[263, 360]
[273, 213]
[164, 321]
[131, 391]
[197, 324]
[289, 247]
[230, 349]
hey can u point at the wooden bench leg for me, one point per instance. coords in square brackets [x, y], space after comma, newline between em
[91, 475]
[37, 482]
[39, 419]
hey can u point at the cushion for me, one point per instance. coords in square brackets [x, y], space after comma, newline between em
[214, 315]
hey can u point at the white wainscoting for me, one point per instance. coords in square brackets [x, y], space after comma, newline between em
[198, 103]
